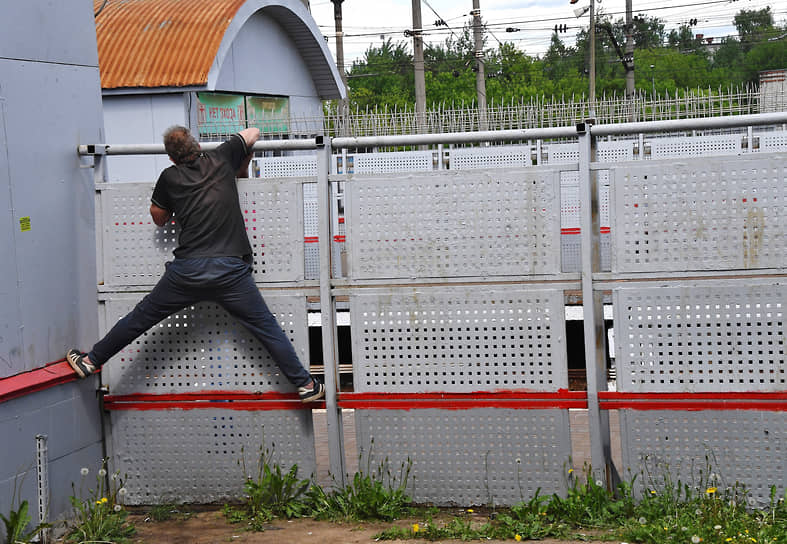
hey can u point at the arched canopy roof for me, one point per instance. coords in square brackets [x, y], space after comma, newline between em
[182, 43]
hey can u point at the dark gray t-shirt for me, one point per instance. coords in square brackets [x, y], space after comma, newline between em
[203, 195]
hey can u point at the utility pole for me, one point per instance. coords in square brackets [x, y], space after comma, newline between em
[343, 103]
[629, 51]
[418, 62]
[592, 71]
[480, 78]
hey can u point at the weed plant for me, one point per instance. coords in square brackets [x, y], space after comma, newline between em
[16, 525]
[272, 493]
[163, 512]
[17, 522]
[371, 495]
[100, 517]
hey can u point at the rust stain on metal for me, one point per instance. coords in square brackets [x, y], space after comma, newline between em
[160, 43]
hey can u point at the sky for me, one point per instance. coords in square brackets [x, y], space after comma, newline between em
[367, 22]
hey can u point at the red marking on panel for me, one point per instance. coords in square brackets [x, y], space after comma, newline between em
[768, 401]
[529, 400]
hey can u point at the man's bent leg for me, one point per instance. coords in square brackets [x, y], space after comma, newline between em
[166, 298]
[243, 301]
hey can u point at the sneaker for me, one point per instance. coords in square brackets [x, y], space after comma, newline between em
[77, 361]
[310, 394]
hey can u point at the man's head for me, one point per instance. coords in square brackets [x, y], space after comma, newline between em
[181, 146]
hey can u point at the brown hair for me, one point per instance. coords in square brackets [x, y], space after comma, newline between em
[181, 146]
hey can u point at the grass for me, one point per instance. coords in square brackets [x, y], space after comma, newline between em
[669, 513]
[705, 510]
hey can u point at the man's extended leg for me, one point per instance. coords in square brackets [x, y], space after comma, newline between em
[241, 298]
[168, 296]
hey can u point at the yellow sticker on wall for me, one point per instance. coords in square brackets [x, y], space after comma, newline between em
[24, 224]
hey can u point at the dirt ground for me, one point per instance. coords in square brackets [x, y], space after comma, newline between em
[209, 527]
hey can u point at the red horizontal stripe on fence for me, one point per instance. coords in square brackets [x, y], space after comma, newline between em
[465, 401]
[52, 374]
[577, 230]
[311, 239]
[339, 238]
[768, 401]
[224, 400]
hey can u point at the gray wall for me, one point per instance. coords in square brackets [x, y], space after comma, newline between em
[141, 118]
[49, 103]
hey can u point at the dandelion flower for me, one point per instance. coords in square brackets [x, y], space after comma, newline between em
[122, 491]
[570, 470]
[416, 528]
[84, 471]
[518, 538]
[652, 491]
[599, 483]
[118, 508]
[696, 540]
[698, 512]
[102, 472]
[469, 510]
[717, 527]
[728, 539]
[642, 521]
[710, 490]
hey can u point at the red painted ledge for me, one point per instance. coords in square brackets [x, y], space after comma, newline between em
[223, 400]
[756, 400]
[521, 400]
[50, 375]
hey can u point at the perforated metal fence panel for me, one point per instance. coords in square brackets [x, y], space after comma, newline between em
[722, 336]
[697, 214]
[510, 156]
[693, 146]
[387, 162]
[284, 167]
[135, 250]
[707, 448]
[194, 456]
[203, 348]
[458, 339]
[503, 222]
[469, 457]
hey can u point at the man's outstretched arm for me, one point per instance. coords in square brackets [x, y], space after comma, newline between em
[250, 137]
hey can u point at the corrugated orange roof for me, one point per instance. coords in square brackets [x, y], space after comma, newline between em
[160, 43]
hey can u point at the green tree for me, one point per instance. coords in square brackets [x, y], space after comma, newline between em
[753, 26]
[384, 76]
[683, 38]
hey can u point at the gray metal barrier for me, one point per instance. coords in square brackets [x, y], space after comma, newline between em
[456, 291]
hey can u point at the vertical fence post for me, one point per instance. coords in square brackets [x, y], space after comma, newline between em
[593, 308]
[327, 312]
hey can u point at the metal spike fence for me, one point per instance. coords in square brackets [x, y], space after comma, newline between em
[542, 112]
[536, 112]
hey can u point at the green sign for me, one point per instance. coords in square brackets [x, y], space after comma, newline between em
[271, 114]
[223, 114]
[220, 113]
